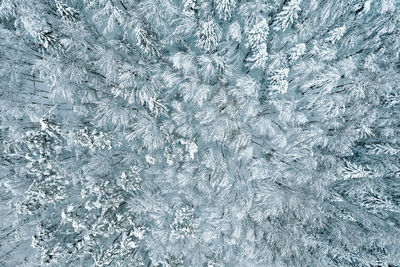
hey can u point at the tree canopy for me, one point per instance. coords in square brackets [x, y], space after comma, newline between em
[199, 133]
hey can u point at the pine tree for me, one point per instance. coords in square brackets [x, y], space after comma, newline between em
[199, 133]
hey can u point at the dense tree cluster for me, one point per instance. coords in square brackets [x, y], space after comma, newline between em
[199, 133]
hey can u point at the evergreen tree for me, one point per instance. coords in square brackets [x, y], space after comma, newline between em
[199, 133]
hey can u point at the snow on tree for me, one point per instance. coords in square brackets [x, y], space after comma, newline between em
[257, 41]
[199, 133]
[288, 15]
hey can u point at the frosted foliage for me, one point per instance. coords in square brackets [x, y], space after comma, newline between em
[93, 139]
[234, 32]
[225, 8]
[288, 15]
[66, 11]
[297, 51]
[184, 223]
[130, 180]
[209, 36]
[260, 56]
[279, 81]
[351, 170]
[337, 34]
[257, 41]
[259, 34]
[198, 133]
[190, 146]
[189, 6]
[150, 159]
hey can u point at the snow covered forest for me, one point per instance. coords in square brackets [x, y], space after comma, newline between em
[201, 133]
